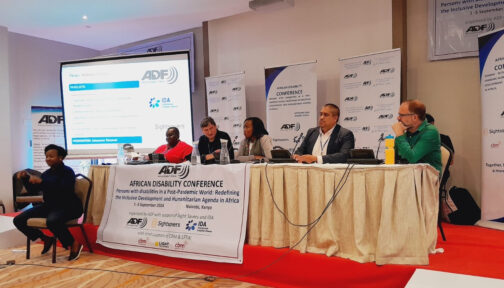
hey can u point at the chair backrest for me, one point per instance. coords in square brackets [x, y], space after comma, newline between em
[446, 156]
[83, 187]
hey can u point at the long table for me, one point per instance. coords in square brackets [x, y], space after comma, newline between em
[383, 213]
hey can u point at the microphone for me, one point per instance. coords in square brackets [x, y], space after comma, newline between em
[299, 138]
[380, 140]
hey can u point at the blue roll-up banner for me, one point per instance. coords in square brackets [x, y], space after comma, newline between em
[491, 55]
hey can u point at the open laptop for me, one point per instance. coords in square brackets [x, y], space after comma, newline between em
[363, 156]
[281, 156]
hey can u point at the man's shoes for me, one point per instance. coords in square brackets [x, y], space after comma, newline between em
[75, 255]
[48, 241]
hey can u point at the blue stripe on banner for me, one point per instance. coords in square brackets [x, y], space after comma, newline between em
[106, 85]
[270, 75]
[486, 44]
[38, 109]
[106, 140]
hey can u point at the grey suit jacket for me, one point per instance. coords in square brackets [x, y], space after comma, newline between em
[338, 148]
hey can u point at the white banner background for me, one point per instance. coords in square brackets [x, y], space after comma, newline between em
[370, 95]
[291, 102]
[492, 104]
[227, 104]
[454, 26]
[152, 209]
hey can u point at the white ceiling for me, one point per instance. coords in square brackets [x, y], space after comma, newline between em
[110, 22]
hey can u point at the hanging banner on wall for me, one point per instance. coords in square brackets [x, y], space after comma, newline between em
[194, 212]
[491, 57]
[291, 102]
[454, 26]
[47, 128]
[370, 95]
[227, 104]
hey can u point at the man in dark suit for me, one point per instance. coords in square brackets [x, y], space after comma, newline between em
[328, 143]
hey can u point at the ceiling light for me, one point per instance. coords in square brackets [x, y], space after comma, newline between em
[84, 17]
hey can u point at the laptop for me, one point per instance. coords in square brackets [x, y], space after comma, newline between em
[363, 156]
[281, 156]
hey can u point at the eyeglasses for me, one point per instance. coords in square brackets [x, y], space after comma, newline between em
[404, 115]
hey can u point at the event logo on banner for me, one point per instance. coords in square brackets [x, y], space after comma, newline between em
[47, 128]
[491, 57]
[195, 212]
[454, 26]
[370, 95]
[227, 104]
[291, 103]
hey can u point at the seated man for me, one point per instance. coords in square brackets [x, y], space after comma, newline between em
[328, 143]
[61, 204]
[175, 151]
[209, 144]
[416, 140]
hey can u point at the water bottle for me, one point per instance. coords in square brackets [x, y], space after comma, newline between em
[195, 156]
[224, 154]
[120, 154]
[389, 150]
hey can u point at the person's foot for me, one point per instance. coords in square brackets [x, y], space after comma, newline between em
[48, 241]
[75, 251]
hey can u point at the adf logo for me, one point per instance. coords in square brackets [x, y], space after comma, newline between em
[182, 171]
[137, 222]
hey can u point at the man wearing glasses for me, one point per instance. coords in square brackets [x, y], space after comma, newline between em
[416, 140]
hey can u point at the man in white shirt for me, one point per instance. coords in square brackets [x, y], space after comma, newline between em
[328, 143]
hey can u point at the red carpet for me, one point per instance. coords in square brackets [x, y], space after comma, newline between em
[468, 250]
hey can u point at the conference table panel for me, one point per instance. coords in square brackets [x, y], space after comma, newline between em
[387, 214]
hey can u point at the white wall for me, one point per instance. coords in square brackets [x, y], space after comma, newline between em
[322, 30]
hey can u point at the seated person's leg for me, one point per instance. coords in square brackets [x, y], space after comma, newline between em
[20, 221]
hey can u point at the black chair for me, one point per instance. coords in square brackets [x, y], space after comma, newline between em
[446, 159]
[3, 206]
[21, 196]
[83, 186]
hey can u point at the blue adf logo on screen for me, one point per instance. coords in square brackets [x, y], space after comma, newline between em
[154, 103]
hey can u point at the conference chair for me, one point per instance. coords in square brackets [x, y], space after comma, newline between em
[3, 206]
[83, 186]
[22, 198]
[446, 158]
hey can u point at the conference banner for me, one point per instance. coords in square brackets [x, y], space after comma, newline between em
[194, 212]
[370, 95]
[454, 26]
[227, 104]
[291, 103]
[47, 128]
[491, 56]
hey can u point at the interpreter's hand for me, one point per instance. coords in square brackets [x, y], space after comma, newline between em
[258, 157]
[399, 128]
[307, 158]
[209, 156]
[35, 180]
[21, 174]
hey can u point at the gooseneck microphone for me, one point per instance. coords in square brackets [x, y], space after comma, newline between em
[297, 140]
[380, 140]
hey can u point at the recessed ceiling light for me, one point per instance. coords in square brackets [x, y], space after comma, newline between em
[84, 17]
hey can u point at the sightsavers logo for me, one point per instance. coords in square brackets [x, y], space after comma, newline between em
[182, 171]
[480, 28]
[169, 75]
[156, 223]
[137, 222]
[291, 126]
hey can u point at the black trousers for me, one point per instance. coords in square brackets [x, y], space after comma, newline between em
[56, 219]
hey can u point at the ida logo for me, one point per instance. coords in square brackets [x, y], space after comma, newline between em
[191, 225]
[182, 171]
[137, 222]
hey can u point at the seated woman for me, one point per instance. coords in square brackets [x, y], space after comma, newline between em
[61, 204]
[175, 151]
[257, 144]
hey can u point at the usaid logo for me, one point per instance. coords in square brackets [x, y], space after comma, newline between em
[387, 95]
[236, 89]
[480, 28]
[366, 62]
[237, 108]
[137, 222]
[351, 99]
[368, 108]
[366, 83]
[366, 128]
[182, 171]
[352, 118]
[215, 110]
[170, 75]
[386, 116]
[387, 70]
[291, 126]
[349, 76]
[51, 119]
[162, 244]
[212, 92]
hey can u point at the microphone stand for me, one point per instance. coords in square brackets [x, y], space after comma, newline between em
[380, 140]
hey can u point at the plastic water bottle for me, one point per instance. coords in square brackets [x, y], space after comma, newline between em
[195, 156]
[224, 154]
[389, 150]
[120, 154]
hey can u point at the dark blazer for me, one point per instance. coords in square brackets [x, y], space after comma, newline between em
[338, 148]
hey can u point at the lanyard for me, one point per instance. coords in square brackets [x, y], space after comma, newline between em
[323, 146]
